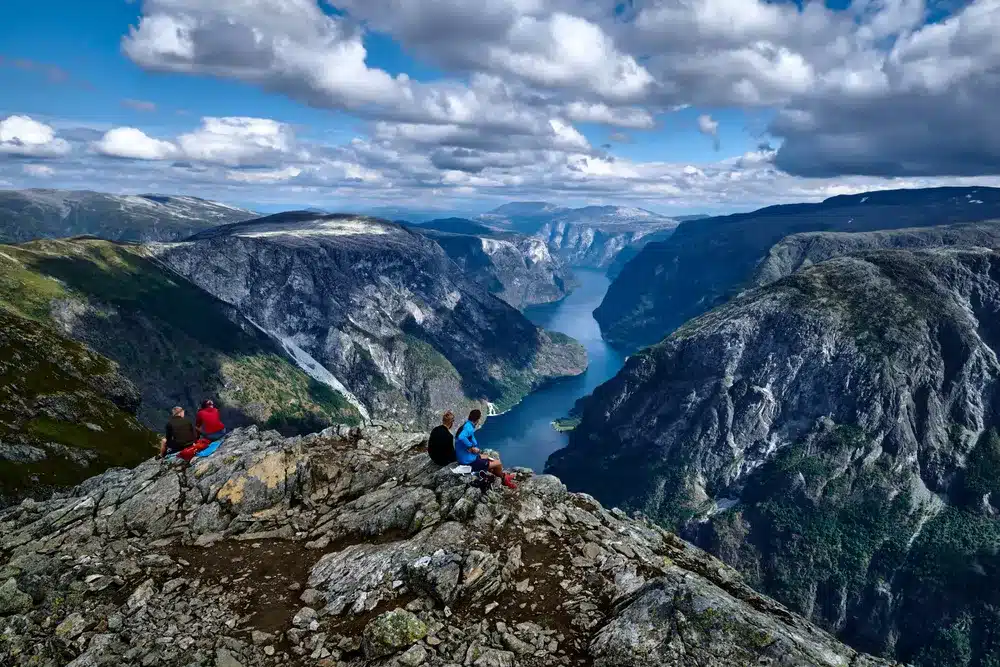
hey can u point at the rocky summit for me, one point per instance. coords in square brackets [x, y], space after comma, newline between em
[833, 436]
[378, 309]
[349, 548]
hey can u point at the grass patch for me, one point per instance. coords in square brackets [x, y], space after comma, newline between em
[176, 342]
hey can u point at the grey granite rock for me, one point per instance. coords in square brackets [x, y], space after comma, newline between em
[413, 587]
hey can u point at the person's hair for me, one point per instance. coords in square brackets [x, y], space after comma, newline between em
[177, 412]
[475, 415]
[448, 416]
[207, 403]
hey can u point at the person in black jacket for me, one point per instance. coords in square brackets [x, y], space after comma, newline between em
[441, 445]
[180, 433]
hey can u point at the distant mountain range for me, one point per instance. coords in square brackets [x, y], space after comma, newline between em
[591, 236]
[707, 261]
[26, 215]
[517, 268]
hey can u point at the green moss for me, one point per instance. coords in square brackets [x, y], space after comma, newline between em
[51, 388]
[430, 362]
[564, 424]
[297, 402]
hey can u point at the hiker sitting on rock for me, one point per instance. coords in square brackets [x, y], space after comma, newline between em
[208, 424]
[468, 454]
[180, 433]
[441, 445]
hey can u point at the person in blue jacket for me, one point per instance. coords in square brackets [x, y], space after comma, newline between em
[467, 451]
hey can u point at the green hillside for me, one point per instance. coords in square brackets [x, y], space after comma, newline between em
[65, 412]
[174, 342]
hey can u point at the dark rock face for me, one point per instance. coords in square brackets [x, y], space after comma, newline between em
[834, 437]
[802, 250]
[629, 252]
[518, 269]
[380, 308]
[26, 215]
[177, 344]
[587, 237]
[706, 262]
[351, 548]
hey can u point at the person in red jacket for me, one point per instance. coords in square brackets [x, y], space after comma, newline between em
[208, 424]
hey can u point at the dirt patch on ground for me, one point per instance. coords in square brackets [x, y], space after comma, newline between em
[269, 574]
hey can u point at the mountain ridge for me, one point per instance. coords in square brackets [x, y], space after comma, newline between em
[706, 262]
[379, 306]
[349, 547]
[591, 236]
[26, 215]
[834, 436]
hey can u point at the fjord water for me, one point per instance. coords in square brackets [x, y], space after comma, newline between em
[524, 436]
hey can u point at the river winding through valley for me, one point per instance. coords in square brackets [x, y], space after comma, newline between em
[524, 436]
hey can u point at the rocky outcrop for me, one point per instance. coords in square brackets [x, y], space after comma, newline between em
[586, 237]
[351, 548]
[518, 269]
[176, 344]
[379, 308]
[802, 250]
[26, 215]
[834, 437]
[707, 262]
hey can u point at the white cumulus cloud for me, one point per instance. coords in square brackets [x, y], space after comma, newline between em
[24, 136]
[132, 143]
[238, 141]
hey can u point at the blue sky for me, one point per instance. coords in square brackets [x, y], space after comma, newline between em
[674, 105]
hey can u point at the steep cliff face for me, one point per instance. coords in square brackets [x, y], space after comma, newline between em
[177, 344]
[587, 237]
[801, 250]
[834, 437]
[518, 269]
[706, 262]
[36, 214]
[379, 307]
[629, 252]
[350, 548]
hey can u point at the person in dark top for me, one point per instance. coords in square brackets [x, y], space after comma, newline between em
[441, 445]
[180, 433]
[208, 424]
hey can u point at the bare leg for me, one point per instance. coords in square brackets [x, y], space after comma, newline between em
[496, 467]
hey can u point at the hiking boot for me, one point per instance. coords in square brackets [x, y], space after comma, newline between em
[508, 481]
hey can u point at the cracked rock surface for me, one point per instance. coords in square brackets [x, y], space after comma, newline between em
[350, 547]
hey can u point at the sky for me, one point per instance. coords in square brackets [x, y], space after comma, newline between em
[678, 106]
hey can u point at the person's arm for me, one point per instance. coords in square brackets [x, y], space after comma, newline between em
[475, 443]
[163, 441]
[462, 442]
